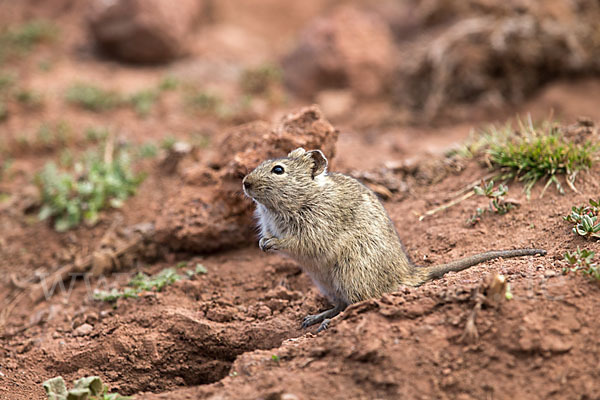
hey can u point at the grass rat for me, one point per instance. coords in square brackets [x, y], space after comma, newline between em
[338, 230]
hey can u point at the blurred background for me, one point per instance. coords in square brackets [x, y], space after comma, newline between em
[157, 69]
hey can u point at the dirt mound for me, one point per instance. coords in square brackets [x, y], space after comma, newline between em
[409, 344]
[210, 212]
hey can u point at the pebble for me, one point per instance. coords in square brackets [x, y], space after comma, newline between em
[83, 330]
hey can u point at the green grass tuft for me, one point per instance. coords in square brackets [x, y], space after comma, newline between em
[143, 101]
[96, 134]
[20, 39]
[147, 150]
[7, 80]
[532, 153]
[3, 111]
[93, 98]
[202, 101]
[145, 283]
[79, 195]
[31, 99]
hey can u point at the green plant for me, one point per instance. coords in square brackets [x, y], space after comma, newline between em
[260, 79]
[168, 142]
[30, 98]
[275, 358]
[585, 219]
[5, 167]
[79, 195]
[147, 150]
[7, 80]
[89, 387]
[20, 39]
[199, 270]
[508, 294]
[143, 101]
[3, 111]
[582, 260]
[498, 205]
[169, 82]
[66, 158]
[145, 283]
[49, 135]
[156, 283]
[93, 98]
[96, 134]
[202, 101]
[531, 153]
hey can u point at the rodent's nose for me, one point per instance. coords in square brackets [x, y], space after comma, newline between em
[247, 185]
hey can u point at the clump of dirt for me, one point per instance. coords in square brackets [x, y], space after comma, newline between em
[210, 212]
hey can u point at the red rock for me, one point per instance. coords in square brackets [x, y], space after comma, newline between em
[204, 216]
[144, 30]
[350, 48]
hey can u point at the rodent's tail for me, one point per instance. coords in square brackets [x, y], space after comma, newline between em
[437, 271]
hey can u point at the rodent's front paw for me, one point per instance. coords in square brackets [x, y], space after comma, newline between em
[267, 244]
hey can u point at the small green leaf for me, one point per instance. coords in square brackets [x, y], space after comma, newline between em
[201, 269]
[55, 388]
[45, 212]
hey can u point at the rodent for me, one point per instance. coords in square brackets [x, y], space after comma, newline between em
[339, 231]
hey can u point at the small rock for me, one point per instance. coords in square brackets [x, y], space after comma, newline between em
[349, 48]
[277, 304]
[83, 330]
[556, 344]
[280, 292]
[263, 312]
[91, 317]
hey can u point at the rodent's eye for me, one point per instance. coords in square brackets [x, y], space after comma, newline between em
[278, 169]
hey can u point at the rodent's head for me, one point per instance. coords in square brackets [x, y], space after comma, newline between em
[285, 184]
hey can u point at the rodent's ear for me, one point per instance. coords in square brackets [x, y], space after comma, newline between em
[319, 162]
[296, 153]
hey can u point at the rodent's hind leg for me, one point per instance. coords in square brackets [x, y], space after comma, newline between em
[324, 325]
[322, 318]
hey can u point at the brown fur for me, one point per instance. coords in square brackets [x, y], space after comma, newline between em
[338, 230]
